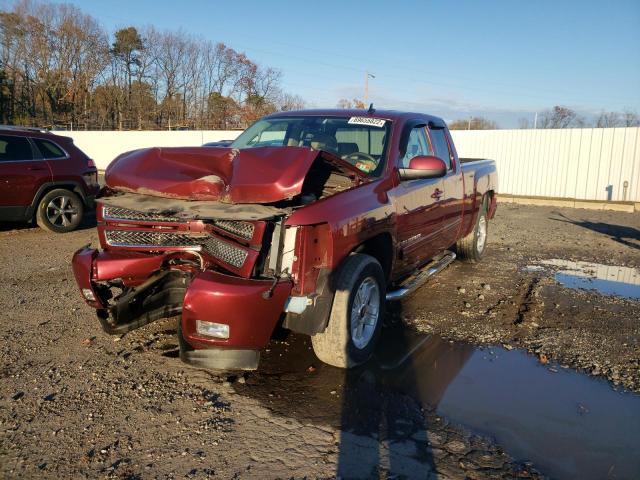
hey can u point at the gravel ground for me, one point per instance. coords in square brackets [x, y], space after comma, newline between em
[75, 402]
[499, 302]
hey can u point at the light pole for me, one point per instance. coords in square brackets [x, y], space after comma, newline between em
[366, 87]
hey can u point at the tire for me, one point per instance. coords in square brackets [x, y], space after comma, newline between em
[60, 211]
[472, 247]
[351, 336]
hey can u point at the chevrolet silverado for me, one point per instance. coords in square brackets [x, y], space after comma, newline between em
[309, 220]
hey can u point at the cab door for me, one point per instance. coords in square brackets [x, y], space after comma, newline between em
[418, 209]
[453, 187]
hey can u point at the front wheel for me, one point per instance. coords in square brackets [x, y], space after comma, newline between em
[60, 211]
[356, 315]
[472, 247]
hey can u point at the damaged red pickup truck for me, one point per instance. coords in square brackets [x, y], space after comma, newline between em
[310, 220]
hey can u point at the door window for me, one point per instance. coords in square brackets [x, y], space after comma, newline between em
[418, 144]
[14, 148]
[48, 149]
[442, 147]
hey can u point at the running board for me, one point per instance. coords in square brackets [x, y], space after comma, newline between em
[417, 280]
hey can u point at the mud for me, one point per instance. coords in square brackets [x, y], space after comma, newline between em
[503, 300]
[569, 425]
[75, 402]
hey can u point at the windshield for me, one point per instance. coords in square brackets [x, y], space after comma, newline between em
[361, 141]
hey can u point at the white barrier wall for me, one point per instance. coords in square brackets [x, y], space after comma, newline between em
[104, 146]
[580, 163]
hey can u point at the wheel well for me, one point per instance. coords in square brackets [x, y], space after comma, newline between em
[379, 247]
[487, 200]
[65, 186]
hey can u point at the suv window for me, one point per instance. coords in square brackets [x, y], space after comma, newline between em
[271, 136]
[49, 149]
[418, 144]
[441, 145]
[14, 148]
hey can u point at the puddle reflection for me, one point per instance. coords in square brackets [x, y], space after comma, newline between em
[568, 424]
[605, 279]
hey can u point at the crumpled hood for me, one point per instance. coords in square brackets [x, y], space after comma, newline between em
[254, 175]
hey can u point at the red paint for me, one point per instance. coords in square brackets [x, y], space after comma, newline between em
[427, 162]
[127, 265]
[83, 262]
[239, 303]
[257, 175]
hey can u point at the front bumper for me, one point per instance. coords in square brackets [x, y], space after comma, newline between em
[250, 308]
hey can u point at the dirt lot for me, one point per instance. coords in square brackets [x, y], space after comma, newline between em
[520, 308]
[75, 402]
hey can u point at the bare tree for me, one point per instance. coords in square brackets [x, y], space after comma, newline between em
[630, 118]
[560, 117]
[287, 102]
[59, 66]
[354, 103]
[608, 119]
[473, 123]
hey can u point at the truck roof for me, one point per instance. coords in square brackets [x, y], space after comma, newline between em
[341, 112]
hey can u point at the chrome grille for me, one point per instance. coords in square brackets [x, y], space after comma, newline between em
[134, 238]
[117, 213]
[225, 251]
[241, 229]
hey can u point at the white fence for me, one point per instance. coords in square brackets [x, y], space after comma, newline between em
[584, 163]
[580, 163]
[104, 146]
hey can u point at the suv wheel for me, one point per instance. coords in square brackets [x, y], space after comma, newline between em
[60, 211]
[356, 315]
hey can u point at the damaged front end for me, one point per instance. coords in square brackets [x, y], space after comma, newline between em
[226, 267]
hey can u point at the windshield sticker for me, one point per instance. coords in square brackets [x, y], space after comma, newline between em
[372, 122]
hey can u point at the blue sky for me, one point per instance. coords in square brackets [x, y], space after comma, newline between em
[500, 59]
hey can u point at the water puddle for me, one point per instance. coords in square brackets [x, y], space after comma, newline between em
[568, 424]
[605, 279]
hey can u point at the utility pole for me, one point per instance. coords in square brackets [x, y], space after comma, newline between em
[535, 121]
[366, 87]
[469, 124]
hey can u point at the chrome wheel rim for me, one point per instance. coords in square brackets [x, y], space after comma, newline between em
[62, 211]
[482, 233]
[365, 312]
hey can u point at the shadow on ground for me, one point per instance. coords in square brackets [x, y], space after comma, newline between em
[383, 409]
[623, 234]
[88, 222]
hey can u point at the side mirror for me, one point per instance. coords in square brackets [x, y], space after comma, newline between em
[423, 166]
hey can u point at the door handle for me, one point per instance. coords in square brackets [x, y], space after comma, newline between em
[437, 193]
[33, 169]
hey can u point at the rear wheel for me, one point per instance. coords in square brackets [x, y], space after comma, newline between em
[356, 315]
[472, 247]
[60, 211]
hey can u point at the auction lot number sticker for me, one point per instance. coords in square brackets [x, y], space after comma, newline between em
[372, 122]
